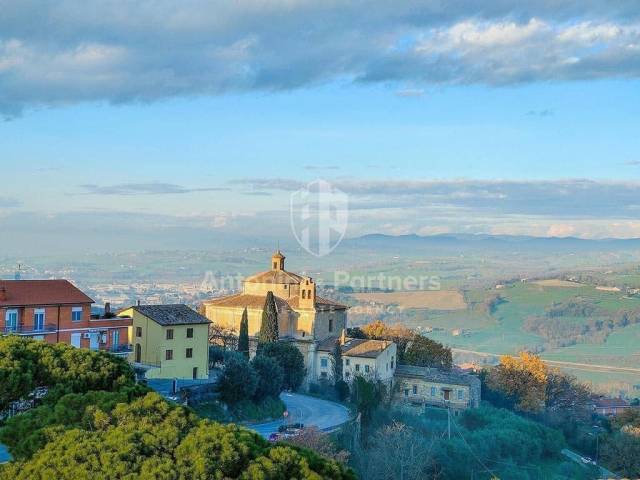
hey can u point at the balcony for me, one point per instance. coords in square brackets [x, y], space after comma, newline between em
[119, 349]
[29, 329]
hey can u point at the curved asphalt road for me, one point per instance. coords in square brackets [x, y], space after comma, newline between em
[310, 411]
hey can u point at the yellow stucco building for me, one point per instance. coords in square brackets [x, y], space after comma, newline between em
[304, 318]
[170, 341]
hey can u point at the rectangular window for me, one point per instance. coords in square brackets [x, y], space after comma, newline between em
[366, 369]
[324, 363]
[189, 332]
[11, 320]
[189, 353]
[76, 314]
[415, 389]
[138, 331]
[460, 394]
[331, 324]
[391, 363]
[168, 355]
[406, 392]
[38, 319]
[347, 374]
[347, 362]
[357, 367]
[433, 391]
[169, 334]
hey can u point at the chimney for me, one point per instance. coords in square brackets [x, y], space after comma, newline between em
[138, 302]
[107, 309]
[343, 336]
[3, 294]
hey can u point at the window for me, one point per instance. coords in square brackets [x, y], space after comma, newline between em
[38, 319]
[460, 394]
[415, 389]
[391, 363]
[331, 324]
[189, 353]
[366, 369]
[324, 363]
[189, 332]
[323, 374]
[275, 265]
[304, 294]
[433, 391]
[168, 355]
[347, 374]
[406, 392]
[347, 361]
[11, 320]
[357, 367]
[169, 334]
[138, 331]
[76, 314]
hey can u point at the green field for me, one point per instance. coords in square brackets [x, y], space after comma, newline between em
[502, 332]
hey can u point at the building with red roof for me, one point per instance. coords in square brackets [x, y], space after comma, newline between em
[56, 311]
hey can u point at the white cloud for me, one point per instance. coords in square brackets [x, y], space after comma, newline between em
[67, 51]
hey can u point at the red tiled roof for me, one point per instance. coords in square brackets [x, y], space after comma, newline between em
[40, 292]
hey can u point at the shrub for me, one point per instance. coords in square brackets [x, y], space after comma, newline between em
[270, 377]
[289, 358]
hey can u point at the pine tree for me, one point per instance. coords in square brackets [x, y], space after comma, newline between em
[269, 325]
[243, 338]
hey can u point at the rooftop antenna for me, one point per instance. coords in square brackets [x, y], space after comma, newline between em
[18, 275]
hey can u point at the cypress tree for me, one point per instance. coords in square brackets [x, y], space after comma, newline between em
[269, 325]
[243, 338]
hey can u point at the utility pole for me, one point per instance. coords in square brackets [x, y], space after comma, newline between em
[449, 422]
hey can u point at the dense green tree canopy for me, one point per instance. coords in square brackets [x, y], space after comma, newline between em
[269, 326]
[289, 358]
[270, 377]
[238, 380]
[243, 337]
[27, 364]
[151, 439]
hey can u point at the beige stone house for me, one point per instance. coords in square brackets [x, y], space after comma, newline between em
[372, 359]
[304, 318]
[419, 387]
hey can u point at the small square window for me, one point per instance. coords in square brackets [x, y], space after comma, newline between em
[168, 355]
[170, 334]
[189, 353]
[189, 332]
[76, 314]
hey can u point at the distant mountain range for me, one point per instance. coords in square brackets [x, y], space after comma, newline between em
[462, 241]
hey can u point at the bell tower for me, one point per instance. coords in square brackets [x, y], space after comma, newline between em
[277, 261]
[307, 294]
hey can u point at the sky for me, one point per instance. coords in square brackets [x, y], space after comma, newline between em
[155, 124]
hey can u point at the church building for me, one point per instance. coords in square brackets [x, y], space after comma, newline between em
[304, 318]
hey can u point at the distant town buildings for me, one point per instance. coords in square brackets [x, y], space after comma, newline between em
[610, 406]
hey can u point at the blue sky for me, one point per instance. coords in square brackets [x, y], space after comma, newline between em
[209, 118]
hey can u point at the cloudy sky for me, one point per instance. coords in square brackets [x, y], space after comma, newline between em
[200, 117]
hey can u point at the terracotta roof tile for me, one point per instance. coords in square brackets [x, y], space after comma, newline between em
[276, 276]
[40, 292]
[362, 347]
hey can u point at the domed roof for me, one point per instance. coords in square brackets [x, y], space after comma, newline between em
[275, 276]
